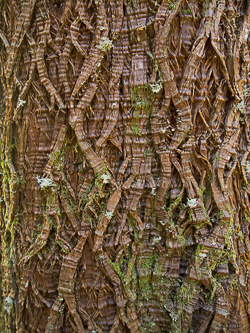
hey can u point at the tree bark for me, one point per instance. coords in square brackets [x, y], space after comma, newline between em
[125, 166]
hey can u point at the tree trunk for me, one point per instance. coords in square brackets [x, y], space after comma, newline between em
[125, 166]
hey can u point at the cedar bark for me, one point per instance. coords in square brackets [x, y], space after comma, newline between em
[125, 166]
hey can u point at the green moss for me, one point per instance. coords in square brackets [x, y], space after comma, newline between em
[102, 179]
[234, 284]
[141, 100]
[210, 178]
[117, 268]
[145, 279]
[136, 233]
[136, 126]
[229, 237]
[146, 152]
[47, 205]
[186, 11]
[57, 159]
[21, 181]
[52, 223]
[130, 281]
[6, 172]
[203, 205]
[171, 6]
[12, 147]
[173, 205]
[87, 191]
[214, 286]
[65, 190]
[37, 231]
[216, 158]
[247, 217]
[57, 210]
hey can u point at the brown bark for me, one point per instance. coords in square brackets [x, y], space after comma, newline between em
[125, 166]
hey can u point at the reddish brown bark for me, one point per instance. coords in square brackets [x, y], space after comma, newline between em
[125, 166]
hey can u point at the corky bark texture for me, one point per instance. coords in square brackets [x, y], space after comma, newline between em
[125, 166]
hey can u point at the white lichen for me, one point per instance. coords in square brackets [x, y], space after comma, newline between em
[156, 87]
[163, 130]
[156, 240]
[109, 215]
[45, 182]
[105, 178]
[105, 44]
[246, 34]
[246, 91]
[247, 166]
[241, 107]
[21, 102]
[153, 191]
[241, 279]
[1, 199]
[139, 65]
[8, 301]
[192, 203]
